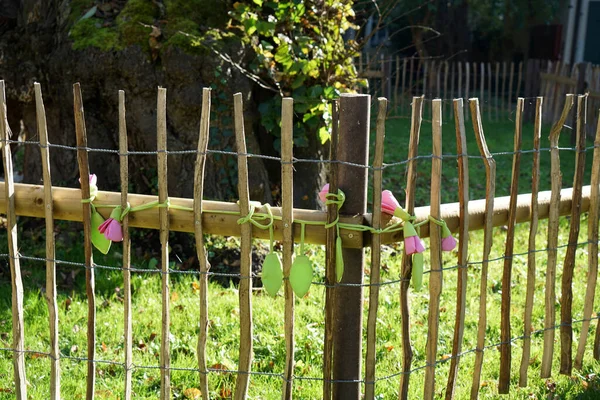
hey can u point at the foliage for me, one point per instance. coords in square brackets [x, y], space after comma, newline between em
[90, 33]
[300, 51]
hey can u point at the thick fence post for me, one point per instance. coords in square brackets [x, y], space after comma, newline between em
[353, 147]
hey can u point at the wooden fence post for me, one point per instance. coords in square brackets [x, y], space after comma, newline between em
[347, 336]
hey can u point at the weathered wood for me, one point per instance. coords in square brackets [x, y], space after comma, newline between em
[199, 239]
[503, 94]
[50, 294]
[463, 241]
[445, 95]
[497, 84]
[566, 314]
[467, 80]
[353, 147]
[163, 215]
[438, 72]
[287, 213]
[594, 215]
[563, 80]
[452, 93]
[489, 101]
[482, 83]
[490, 190]
[375, 253]
[505, 335]
[436, 275]
[425, 74]
[403, 92]
[330, 258]
[510, 85]
[553, 214]
[18, 327]
[84, 173]
[245, 288]
[535, 185]
[406, 266]
[397, 82]
[127, 314]
[459, 87]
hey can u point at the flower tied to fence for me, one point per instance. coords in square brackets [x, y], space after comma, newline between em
[338, 200]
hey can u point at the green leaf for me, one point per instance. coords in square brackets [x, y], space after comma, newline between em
[301, 275]
[272, 274]
[324, 135]
[298, 81]
[339, 260]
[258, 2]
[98, 240]
[91, 12]
[417, 271]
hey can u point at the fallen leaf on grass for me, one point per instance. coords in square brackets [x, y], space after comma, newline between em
[192, 393]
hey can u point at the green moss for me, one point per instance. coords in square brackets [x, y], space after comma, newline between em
[90, 33]
[132, 20]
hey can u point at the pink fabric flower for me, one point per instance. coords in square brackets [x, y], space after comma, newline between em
[388, 202]
[323, 193]
[412, 242]
[111, 228]
[93, 186]
[391, 206]
[448, 241]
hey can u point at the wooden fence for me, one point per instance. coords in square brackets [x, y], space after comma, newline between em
[496, 84]
[342, 379]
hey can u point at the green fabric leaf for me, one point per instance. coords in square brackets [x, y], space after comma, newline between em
[98, 239]
[339, 260]
[301, 275]
[272, 274]
[417, 271]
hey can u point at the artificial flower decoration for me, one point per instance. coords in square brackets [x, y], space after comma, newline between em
[448, 241]
[412, 242]
[390, 205]
[417, 271]
[111, 228]
[272, 274]
[98, 239]
[93, 186]
[323, 193]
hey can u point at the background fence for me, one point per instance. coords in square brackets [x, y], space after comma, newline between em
[496, 84]
[342, 353]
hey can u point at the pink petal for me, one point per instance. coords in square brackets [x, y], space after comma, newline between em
[388, 202]
[113, 231]
[104, 225]
[410, 245]
[93, 179]
[323, 193]
[448, 243]
[420, 246]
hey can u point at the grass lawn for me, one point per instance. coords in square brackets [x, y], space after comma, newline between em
[268, 313]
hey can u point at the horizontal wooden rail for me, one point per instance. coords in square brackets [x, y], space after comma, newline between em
[29, 202]
[558, 79]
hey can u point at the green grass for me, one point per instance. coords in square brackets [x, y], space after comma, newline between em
[268, 313]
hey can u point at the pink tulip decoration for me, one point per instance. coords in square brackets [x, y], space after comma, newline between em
[448, 241]
[323, 193]
[93, 186]
[412, 242]
[390, 205]
[111, 228]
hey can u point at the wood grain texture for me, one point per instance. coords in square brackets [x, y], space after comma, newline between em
[84, 173]
[330, 257]
[287, 214]
[566, 313]
[490, 190]
[203, 138]
[435, 242]
[50, 294]
[18, 327]
[553, 214]
[463, 242]
[533, 227]
[163, 196]
[593, 217]
[375, 252]
[245, 288]
[406, 266]
[505, 331]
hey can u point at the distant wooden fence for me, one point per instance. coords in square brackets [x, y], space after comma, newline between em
[196, 215]
[496, 84]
